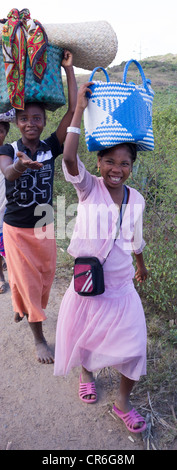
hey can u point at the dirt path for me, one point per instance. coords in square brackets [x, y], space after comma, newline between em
[43, 412]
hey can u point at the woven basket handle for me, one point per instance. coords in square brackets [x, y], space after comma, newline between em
[145, 82]
[98, 68]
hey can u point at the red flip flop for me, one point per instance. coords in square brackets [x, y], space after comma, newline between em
[130, 419]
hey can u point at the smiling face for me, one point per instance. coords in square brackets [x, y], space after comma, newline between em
[115, 166]
[31, 122]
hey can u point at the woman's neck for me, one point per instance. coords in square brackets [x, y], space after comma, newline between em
[32, 145]
[117, 194]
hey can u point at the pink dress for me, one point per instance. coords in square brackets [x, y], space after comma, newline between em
[108, 329]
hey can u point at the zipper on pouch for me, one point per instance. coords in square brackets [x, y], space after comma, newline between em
[85, 273]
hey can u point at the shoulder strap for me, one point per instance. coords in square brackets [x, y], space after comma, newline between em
[120, 218]
[123, 206]
[122, 210]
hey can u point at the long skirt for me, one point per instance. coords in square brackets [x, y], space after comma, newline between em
[101, 331]
[31, 264]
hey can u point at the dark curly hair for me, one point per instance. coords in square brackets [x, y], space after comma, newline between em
[6, 126]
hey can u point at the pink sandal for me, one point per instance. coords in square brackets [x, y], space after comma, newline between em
[87, 389]
[130, 419]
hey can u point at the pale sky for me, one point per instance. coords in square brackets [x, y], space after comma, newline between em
[143, 29]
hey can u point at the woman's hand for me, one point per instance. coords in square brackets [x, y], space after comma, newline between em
[26, 162]
[67, 59]
[82, 99]
[141, 274]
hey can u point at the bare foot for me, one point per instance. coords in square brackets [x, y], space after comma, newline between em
[44, 353]
[17, 317]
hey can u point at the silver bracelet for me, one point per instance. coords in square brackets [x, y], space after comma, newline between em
[16, 169]
[75, 130]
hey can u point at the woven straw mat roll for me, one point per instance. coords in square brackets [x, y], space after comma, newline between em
[91, 43]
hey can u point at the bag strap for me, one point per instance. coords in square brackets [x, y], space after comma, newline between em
[122, 210]
[98, 68]
[145, 81]
[120, 218]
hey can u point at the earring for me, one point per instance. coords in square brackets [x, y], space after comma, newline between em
[98, 169]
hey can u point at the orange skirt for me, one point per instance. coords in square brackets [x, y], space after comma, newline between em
[31, 265]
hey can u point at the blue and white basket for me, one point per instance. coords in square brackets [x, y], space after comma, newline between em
[119, 112]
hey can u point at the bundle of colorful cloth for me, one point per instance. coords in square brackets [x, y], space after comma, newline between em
[22, 36]
[30, 50]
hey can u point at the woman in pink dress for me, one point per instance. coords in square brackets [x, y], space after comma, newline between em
[107, 329]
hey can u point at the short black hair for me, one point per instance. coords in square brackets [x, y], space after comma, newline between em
[132, 148]
[33, 103]
[6, 126]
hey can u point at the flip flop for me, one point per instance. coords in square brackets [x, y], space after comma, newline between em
[2, 287]
[130, 419]
[85, 389]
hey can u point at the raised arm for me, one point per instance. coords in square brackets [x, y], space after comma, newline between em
[72, 138]
[72, 96]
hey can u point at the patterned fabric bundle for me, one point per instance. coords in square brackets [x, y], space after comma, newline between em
[9, 116]
[50, 91]
[119, 112]
[21, 35]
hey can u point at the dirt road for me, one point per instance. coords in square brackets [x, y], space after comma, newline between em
[43, 412]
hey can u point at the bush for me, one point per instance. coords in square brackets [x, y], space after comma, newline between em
[160, 287]
[155, 176]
